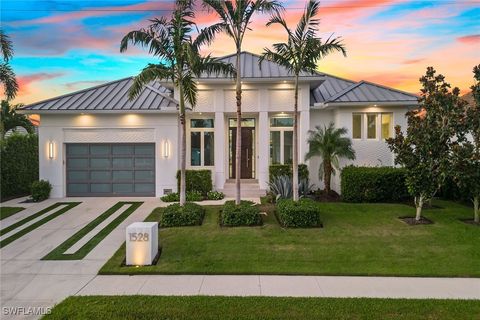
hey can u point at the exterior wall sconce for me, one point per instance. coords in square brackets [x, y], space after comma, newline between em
[166, 149]
[50, 150]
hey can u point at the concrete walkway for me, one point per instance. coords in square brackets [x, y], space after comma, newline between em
[27, 281]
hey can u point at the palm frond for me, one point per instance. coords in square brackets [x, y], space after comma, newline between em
[9, 81]
[6, 47]
[150, 73]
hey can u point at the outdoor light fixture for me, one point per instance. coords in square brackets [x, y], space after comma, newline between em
[50, 150]
[166, 149]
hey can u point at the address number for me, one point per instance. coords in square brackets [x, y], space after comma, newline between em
[138, 236]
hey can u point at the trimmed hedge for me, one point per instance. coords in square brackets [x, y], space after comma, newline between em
[41, 190]
[276, 170]
[373, 184]
[303, 213]
[197, 180]
[191, 214]
[19, 164]
[245, 214]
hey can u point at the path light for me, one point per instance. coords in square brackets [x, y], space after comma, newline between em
[50, 150]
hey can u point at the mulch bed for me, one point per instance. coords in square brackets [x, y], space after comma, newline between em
[323, 196]
[470, 221]
[412, 222]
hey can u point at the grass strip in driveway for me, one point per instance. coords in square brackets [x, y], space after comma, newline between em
[22, 232]
[357, 239]
[252, 308]
[6, 212]
[59, 252]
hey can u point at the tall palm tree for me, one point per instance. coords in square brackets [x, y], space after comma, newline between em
[10, 119]
[179, 62]
[328, 143]
[301, 53]
[236, 17]
[7, 76]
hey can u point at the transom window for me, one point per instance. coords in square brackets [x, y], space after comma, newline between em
[281, 140]
[372, 125]
[202, 142]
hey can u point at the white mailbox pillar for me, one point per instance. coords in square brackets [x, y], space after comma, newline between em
[142, 243]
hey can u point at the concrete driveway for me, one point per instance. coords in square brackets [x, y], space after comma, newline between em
[27, 282]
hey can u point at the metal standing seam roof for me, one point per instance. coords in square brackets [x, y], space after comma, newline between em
[110, 96]
[365, 91]
[330, 87]
[252, 70]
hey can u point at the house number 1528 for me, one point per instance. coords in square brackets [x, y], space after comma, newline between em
[138, 236]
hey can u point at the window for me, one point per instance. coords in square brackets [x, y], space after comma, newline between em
[281, 140]
[357, 126]
[386, 125]
[202, 152]
[371, 126]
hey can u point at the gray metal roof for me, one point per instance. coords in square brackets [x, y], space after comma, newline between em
[330, 87]
[111, 96]
[364, 91]
[252, 70]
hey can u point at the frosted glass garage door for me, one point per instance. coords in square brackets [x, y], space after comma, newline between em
[110, 169]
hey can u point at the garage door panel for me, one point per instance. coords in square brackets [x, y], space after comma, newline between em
[110, 169]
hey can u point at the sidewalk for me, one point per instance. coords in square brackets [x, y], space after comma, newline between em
[279, 286]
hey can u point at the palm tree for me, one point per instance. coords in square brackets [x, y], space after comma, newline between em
[179, 62]
[7, 76]
[328, 143]
[300, 53]
[10, 119]
[236, 17]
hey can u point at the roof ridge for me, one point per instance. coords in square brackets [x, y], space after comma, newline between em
[344, 91]
[26, 107]
[337, 77]
[389, 88]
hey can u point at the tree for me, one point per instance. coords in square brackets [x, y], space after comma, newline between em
[329, 144]
[466, 152]
[7, 76]
[300, 53]
[179, 62]
[236, 17]
[432, 129]
[10, 119]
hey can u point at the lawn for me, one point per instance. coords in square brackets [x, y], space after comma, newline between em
[6, 212]
[357, 239]
[201, 307]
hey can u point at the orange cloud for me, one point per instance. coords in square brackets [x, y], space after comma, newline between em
[470, 39]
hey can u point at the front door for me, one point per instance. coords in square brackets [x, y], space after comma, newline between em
[247, 164]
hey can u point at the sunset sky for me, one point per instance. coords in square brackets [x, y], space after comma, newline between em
[64, 46]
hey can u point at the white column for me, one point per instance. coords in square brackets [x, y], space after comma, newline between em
[220, 156]
[263, 150]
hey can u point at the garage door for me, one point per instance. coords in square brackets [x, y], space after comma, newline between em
[99, 169]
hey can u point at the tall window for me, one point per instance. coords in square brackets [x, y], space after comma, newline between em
[386, 125]
[371, 126]
[281, 140]
[357, 126]
[202, 142]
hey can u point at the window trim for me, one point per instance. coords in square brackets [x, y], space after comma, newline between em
[202, 143]
[390, 127]
[376, 125]
[361, 124]
[282, 131]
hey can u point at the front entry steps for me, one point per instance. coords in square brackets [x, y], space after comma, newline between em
[249, 189]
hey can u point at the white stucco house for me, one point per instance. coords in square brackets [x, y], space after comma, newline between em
[95, 142]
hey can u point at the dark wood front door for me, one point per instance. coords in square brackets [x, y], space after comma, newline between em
[247, 157]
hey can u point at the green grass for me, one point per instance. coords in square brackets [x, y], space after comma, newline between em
[357, 239]
[58, 252]
[6, 212]
[33, 226]
[241, 308]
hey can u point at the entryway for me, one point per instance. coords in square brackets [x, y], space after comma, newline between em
[248, 148]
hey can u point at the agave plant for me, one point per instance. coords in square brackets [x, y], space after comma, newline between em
[282, 187]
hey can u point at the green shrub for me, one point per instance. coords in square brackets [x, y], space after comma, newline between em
[373, 184]
[276, 170]
[215, 195]
[175, 197]
[197, 180]
[191, 214]
[19, 164]
[245, 214]
[300, 214]
[41, 190]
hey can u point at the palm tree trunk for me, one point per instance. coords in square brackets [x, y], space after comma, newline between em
[295, 144]
[418, 207]
[476, 204]
[183, 148]
[327, 174]
[238, 150]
